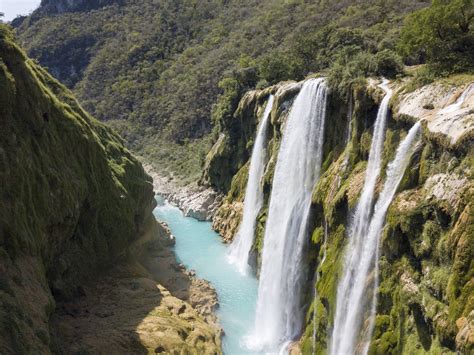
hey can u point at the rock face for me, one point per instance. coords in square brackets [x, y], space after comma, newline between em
[425, 270]
[448, 110]
[199, 202]
[75, 226]
[146, 305]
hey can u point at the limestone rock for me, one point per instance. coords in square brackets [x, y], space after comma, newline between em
[446, 187]
[448, 110]
[195, 201]
[465, 336]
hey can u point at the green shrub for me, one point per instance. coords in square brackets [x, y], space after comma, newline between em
[441, 35]
[388, 63]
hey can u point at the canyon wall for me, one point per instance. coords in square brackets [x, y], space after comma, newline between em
[77, 232]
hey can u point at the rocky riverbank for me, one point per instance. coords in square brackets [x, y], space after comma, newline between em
[147, 303]
[195, 201]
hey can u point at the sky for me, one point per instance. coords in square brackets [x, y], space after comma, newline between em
[13, 8]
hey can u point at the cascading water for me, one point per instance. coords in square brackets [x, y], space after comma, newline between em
[458, 103]
[349, 132]
[240, 247]
[348, 316]
[395, 171]
[279, 312]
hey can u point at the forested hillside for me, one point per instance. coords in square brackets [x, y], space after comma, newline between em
[152, 68]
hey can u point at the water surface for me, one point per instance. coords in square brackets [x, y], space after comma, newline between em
[199, 248]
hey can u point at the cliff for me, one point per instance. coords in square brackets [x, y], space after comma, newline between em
[426, 291]
[75, 231]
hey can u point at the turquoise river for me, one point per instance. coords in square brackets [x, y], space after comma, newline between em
[199, 248]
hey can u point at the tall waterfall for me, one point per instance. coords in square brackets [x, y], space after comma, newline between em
[348, 316]
[348, 133]
[395, 171]
[279, 312]
[240, 247]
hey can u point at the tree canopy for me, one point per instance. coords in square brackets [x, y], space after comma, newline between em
[441, 35]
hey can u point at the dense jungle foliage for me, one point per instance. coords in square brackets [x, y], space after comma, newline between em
[154, 69]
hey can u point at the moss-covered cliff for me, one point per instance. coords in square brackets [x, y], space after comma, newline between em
[73, 201]
[425, 301]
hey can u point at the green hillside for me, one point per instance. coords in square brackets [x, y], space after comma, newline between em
[152, 68]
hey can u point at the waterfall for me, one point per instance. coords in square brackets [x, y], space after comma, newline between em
[349, 121]
[240, 247]
[348, 136]
[395, 171]
[279, 315]
[348, 316]
[459, 102]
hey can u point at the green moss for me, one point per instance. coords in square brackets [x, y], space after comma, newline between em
[239, 184]
[365, 142]
[318, 235]
[324, 303]
[73, 197]
[260, 231]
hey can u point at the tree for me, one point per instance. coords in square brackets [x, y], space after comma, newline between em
[440, 35]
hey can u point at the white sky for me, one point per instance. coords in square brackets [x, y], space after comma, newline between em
[13, 8]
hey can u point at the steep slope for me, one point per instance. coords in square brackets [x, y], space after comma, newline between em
[154, 67]
[425, 295]
[74, 202]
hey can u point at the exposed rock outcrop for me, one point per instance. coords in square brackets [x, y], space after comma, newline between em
[447, 108]
[147, 304]
[199, 202]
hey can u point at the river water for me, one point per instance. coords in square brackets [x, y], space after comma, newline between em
[199, 248]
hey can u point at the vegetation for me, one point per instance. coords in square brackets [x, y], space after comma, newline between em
[152, 68]
[441, 35]
[425, 293]
[73, 198]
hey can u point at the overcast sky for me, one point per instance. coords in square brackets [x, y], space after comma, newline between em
[13, 8]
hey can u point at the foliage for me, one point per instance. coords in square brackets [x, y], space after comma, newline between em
[158, 64]
[441, 35]
[73, 198]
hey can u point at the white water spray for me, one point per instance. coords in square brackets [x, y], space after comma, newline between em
[348, 138]
[279, 315]
[349, 314]
[459, 102]
[395, 171]
[240, 247]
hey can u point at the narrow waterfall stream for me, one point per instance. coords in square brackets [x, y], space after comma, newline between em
[348, 133]
[279, 313]
[460, 100]
[395, 171]
[348, 316]
[240, 247]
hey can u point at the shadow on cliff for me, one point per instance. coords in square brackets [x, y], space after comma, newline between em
[129, 309]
